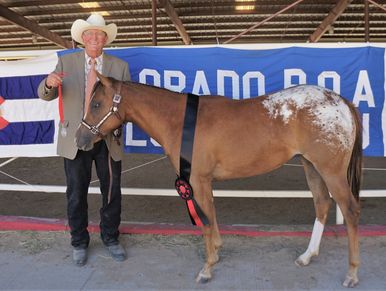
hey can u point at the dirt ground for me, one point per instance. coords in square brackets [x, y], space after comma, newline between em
[159, 174]
[42, 261]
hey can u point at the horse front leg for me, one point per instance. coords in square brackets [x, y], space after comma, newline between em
[216, 237]
[210, 232]
[211, 256]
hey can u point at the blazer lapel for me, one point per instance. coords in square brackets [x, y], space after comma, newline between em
[80, 61]
[107, 64]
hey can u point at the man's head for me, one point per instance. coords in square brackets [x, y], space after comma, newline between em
[93, 33]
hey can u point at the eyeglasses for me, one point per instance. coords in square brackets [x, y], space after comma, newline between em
[98, 33]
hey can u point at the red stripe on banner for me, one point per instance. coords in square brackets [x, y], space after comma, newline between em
[3, 122]
[193, 213]
[16, 223]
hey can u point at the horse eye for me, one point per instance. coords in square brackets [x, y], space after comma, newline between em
[97, 105]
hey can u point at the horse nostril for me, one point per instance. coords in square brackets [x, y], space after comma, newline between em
[79, 143]
[80, 140]
[84, 140]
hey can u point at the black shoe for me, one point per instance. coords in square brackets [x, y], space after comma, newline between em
[117, 252]
[79, 256]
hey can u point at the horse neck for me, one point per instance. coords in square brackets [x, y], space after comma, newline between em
[159, 112]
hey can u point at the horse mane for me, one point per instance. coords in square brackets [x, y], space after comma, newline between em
[137, 84]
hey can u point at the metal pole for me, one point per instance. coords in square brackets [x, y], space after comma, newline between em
[154, 21]
[262, 22]
[367, 29]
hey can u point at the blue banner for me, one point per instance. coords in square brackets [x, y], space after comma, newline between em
[357, 73]
[29, 126]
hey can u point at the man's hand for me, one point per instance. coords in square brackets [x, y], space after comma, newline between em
[53, 80]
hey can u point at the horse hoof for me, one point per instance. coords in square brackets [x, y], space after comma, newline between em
[202, 278]
[350, 281]
[301, 262]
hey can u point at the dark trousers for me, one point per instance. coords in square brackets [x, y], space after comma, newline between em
[78, 175]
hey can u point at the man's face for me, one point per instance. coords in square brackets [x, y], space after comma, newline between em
[94, 41]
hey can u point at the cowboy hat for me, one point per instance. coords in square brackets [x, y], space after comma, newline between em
[94, 21]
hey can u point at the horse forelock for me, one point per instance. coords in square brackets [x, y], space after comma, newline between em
[326, 110]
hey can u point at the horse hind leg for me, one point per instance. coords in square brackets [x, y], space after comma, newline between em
[341, 192]
[322, 204]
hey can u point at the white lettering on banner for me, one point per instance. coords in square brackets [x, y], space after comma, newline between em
[247, 83]
[221, 75]
[130, 141]
[366, 130]
[129, 137]
[289, 73]
[200, 83]
[330, 75]
[154, 142]
[149, 72]
[363, 91]
[177, 75]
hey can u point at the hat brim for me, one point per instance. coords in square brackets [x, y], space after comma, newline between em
[80, 26]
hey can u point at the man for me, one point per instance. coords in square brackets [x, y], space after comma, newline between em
[76, 75]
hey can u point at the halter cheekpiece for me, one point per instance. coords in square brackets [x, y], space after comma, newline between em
[113, 111]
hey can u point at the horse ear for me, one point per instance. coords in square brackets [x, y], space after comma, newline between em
[104, 80]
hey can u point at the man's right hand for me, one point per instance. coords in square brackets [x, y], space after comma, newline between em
[53, 80]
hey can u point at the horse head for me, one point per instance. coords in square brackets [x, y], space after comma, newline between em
[103, 114]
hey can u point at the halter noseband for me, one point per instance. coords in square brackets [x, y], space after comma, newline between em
[113, 111]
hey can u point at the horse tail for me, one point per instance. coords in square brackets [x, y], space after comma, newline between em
[354, 171]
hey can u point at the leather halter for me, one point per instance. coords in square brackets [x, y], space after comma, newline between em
[112, 111]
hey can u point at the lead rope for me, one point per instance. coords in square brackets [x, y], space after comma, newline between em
[109, 156]
[111, 180]
[63, 131]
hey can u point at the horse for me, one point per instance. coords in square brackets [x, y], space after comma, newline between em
[241, 138]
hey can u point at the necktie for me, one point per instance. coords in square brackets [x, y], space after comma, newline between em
[91, 79]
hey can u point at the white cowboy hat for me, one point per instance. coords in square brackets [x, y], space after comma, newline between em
[94, 21]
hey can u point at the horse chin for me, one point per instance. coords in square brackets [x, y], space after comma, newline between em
[86, 147]
[84, 143]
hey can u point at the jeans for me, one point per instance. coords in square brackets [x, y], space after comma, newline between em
[78, 177]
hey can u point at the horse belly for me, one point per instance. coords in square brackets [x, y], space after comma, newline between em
[251, 161]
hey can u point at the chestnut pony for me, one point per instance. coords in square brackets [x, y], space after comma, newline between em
[235, 139]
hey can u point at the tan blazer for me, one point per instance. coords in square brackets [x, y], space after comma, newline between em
[73, 98]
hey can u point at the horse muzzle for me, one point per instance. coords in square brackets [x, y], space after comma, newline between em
[84, 139]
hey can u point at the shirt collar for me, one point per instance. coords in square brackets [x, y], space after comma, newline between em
[98, 59]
